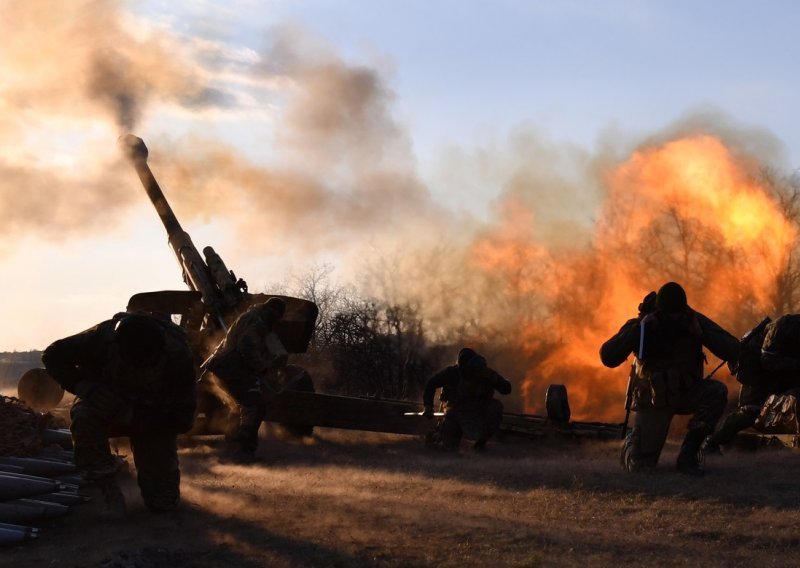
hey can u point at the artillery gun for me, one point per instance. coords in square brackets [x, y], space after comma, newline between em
[216, 297]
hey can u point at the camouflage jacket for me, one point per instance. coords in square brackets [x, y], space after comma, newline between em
[163, 400]
[461, 394]
[669, 356]
[244, 349]
[780, 354]
[680, 342]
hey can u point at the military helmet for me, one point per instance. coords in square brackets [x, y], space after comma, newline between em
[671, 298]
[474, 369]
[141, 339]
[464, 357]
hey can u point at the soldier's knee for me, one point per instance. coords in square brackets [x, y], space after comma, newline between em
[88, 426]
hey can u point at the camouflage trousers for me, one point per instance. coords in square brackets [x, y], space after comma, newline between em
[245, 391]
[155, 455]
[705, 401]
[474, 424]
[751, 397]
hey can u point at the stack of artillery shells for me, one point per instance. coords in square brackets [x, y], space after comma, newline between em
[35, 489]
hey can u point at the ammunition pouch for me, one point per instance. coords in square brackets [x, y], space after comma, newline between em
[660, 385]
[779, 415]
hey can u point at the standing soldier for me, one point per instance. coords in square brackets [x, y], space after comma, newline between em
[134, 375]
[250, 351]
[667, 340]
[470, 408]
[769, 364]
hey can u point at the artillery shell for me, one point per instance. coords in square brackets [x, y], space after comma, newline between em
[63, 498]
[51, 510]
[73, 480]
[60, 436]
[11, 536]
[22, 528]
[36, 466]
[62, 456]
[12, 486]
[16, 512]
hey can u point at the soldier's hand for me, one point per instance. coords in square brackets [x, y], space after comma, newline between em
[648, 304]
[428, 412]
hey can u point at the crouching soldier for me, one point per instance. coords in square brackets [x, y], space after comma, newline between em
[250, 353]
[667, 340]
[769, 364]
[470, 408]
[135, 376]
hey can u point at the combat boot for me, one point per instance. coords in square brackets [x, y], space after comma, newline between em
[114, 499]
[690, 460]
[630, 456]
[710, 447]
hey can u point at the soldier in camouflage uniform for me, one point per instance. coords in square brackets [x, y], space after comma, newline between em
[667, 340]
[470, 408]
[135, 376]
[769, 364]
[250, 353]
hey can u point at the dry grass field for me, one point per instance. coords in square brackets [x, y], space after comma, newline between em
[347, 499]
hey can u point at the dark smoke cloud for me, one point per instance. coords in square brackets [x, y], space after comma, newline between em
[53, 206]
[81, 64]
[66, 61]
[345, 165]
[344, 172]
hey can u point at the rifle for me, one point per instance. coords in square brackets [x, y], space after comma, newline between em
[628, 400]
[646, 308]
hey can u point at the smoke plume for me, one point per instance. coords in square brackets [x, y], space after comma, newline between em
[556, 262]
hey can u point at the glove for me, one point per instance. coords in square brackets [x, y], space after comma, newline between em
[648, 304]
[428, 412]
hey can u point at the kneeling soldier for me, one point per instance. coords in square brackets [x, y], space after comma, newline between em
[134, 375]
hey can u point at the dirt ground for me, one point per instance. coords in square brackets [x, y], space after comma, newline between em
[347, 499]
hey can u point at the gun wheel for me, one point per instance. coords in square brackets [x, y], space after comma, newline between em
[557, 403]
[39, 390]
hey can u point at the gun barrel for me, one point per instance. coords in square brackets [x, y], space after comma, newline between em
[137, 153]
[195, 271]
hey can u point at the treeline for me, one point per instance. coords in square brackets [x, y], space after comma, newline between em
[14, 363]
[363, 346]
[360, 347]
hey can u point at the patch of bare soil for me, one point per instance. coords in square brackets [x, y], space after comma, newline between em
[348, 499]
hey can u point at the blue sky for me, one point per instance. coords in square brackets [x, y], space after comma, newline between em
[461, 77]
[570, 68]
